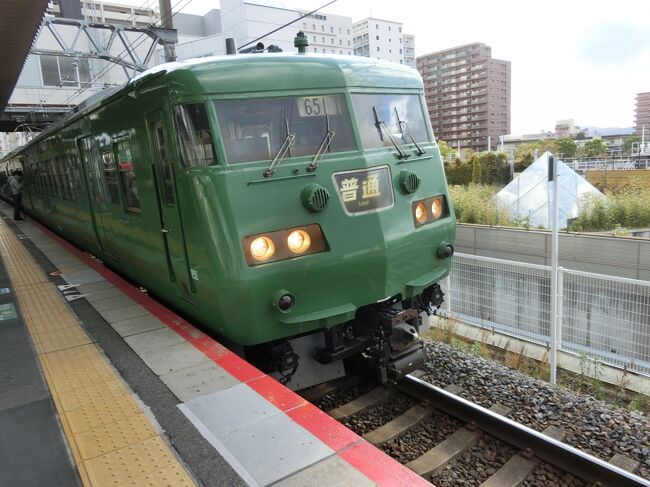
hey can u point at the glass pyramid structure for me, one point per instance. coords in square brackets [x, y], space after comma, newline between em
[528, 196]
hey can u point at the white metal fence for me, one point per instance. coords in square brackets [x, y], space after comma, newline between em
[603, 316]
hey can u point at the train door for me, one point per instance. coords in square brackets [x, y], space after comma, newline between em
[171, 226]
[97, 198]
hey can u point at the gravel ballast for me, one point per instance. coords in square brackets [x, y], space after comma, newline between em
[591, 425]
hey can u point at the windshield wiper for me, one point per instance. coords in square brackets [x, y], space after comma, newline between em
[324, 145]
[277, 159]
[405, 130]
[381, 125]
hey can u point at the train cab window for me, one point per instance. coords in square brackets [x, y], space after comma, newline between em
[110, 176]
[254, 130]
[399, 115]
[127, 175]
[194, 136]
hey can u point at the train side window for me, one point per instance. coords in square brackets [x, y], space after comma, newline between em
[63, 178]
[110, 176]
[194, 135]
[41, 177]
[127, 175]
[54, 186]
[164, 164]
[74, 176]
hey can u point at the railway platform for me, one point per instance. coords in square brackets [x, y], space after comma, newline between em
[102, 385]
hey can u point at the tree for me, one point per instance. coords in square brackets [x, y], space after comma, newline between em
[525, 153]
[566, 146]
[458, 171]
[477, 174]
[446, 152]
[595, 147]
[494, 168]
[629, 142]
[581, 135]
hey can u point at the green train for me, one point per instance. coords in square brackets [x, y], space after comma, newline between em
[293, 205]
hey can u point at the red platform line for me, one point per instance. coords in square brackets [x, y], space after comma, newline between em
[374, 464]
[329, 431]
[282, 397]
[380, 468]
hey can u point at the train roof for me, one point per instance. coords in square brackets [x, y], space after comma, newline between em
[254, 73]
[250, 72]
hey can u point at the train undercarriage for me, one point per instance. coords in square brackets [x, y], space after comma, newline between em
[384, 337]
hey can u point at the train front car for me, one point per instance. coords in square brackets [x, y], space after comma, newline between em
[328, 217]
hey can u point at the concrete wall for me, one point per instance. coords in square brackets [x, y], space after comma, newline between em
[618, 256]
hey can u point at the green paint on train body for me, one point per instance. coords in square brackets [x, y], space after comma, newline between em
[185, 241]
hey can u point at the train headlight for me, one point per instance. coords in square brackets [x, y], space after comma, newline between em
[420, 213]
[429, 210]
[284, 244]
[437, 205]
[262, 248]
[298, 241]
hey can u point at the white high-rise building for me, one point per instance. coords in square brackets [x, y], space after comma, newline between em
[327, 33]
[383, 39]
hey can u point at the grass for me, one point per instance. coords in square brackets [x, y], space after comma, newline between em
[474, 204]
[621, 210]
[586, 382]
[625, 209]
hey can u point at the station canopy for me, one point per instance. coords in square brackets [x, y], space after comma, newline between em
[527, 197]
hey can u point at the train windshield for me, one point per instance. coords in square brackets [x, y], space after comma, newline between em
[386, 120]
[255, 129]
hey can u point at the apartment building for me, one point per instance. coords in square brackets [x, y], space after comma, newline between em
[642, 114]
[468, 95]
[383, 39]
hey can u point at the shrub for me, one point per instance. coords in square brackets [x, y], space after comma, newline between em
[625, 209]
[474, 204]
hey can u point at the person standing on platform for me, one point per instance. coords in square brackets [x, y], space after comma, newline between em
[16, 188]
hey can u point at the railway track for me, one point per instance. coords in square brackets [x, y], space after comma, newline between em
[525, 449]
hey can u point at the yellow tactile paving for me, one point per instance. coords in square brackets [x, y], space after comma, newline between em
[112, 440]
[170, 476]
[59, 333]
[102, 392]
[92, 415]
[108, 438]
[118, 467]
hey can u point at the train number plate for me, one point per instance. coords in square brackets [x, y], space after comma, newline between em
[365, 190]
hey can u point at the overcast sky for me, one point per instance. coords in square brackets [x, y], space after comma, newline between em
[577, 59]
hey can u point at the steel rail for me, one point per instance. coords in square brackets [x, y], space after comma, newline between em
[554, 452]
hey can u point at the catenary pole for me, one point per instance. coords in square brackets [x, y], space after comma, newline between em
[553, 188]
[166, 22]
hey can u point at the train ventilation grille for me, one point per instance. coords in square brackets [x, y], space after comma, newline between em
[314, 197]
[409, 181]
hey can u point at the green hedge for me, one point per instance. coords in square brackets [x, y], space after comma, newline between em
[483, 168]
